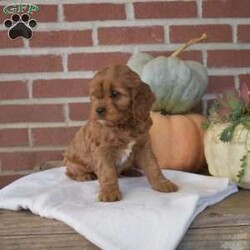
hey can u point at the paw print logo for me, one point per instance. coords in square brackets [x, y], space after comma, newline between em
[20, 26]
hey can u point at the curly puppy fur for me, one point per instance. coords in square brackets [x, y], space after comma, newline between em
[116, 136]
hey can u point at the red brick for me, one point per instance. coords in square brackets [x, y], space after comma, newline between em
[60, 88]
[2, 15]
[95, 61]
[46, 13]
[31, 113]
[220, 84]
[131, 35]
[62, 39]
[226, 8]
[7, 179]
[216, 33]
[173, 9]
[22, 64]
[229, 58]
[245, 79]
[14, 137]
[244, 89]
[244, 33]
[53, 136]
[27, 160]
[79, 111]
[194, 55]
[93, 12]
[13, 90]
[6, 42]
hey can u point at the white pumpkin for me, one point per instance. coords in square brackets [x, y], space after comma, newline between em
[177, 84]
[224, 159]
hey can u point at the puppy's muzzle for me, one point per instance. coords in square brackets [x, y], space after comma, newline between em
[100, 111]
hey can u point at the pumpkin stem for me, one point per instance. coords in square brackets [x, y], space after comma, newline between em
[189, 43]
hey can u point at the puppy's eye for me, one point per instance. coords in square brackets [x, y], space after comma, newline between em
[114, 94]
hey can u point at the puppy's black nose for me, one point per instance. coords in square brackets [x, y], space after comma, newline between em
[100, 111]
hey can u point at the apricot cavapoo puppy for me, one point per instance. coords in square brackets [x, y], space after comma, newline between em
[116, 136]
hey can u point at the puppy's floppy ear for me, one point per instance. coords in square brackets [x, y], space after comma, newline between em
[142, 100]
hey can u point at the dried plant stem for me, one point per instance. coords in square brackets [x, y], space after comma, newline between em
[189, 43]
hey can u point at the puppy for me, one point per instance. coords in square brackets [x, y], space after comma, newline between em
[116, 136]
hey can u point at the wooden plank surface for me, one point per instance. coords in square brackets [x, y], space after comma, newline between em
[233, 211]
[45, 242]
[225, 225]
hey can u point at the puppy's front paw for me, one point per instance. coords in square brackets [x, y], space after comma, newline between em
[165, 186]
[109, 195]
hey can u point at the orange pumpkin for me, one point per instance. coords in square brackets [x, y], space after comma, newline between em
[177, 141]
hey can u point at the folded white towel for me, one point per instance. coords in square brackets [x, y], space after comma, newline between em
[143, 219]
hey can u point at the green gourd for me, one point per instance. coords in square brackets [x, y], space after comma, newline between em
[177, 84]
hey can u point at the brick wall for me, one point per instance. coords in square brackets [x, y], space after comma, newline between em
[44, 81]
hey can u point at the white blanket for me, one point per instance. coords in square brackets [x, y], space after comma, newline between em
[143, 219]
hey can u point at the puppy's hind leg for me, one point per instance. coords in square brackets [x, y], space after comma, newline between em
[78, 172]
